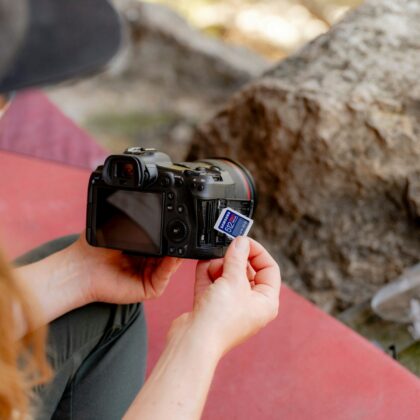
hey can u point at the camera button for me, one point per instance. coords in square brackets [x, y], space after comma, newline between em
[165, 181]
[170, 196]
[177, 231]
[181, 251]
[172, 250]
[170, 207]
[180, 209]
[179, 182]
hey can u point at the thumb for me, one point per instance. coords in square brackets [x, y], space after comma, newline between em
[236, 259]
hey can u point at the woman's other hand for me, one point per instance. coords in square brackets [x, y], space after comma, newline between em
[110, 276]
[235, 296]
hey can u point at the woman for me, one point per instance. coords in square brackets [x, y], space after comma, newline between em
[234, 298]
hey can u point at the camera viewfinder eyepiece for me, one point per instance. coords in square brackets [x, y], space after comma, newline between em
[128, 171]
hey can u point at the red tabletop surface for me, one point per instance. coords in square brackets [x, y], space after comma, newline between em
[304, 365]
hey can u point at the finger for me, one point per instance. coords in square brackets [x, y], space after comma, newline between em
[154, 262]
[156, 277]
[202, 271]
[259, 257]
[236, 259]
[268, 282]
[166, 268]
[215, 269]
[250, 272]
[268, 277]
[202, 277]
[267, 272]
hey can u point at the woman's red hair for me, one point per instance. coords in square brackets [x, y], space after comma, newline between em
[23, 362]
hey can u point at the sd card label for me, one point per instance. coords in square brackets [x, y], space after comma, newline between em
[233, 224]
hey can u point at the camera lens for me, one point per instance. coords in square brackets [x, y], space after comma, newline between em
[177, 231]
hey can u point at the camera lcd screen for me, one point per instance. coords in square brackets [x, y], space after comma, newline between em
[129, 220]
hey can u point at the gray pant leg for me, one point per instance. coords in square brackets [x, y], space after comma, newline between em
[98, 354]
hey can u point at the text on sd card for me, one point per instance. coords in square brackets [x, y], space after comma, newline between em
[233, 223]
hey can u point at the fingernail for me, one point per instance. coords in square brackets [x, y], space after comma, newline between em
[241, 244]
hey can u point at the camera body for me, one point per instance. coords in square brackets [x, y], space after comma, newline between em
[141, 202]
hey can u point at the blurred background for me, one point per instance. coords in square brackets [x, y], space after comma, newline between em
[183, 59]
[181, 62]
[271, 28]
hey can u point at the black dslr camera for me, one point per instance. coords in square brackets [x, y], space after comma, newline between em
[142, 203]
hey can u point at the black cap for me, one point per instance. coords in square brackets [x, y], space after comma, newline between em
[48, 41]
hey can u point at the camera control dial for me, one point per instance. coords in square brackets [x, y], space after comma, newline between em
[177, 231]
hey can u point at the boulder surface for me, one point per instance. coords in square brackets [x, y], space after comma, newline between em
[332, 136]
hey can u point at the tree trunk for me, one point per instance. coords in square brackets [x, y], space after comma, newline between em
[332, 136]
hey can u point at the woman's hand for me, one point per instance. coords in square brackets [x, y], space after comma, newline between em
[111, 276]
[235, 296]
[81, 274]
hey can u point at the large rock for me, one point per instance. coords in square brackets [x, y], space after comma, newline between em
[332, 135]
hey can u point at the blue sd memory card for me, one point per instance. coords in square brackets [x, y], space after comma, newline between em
[233, 224]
